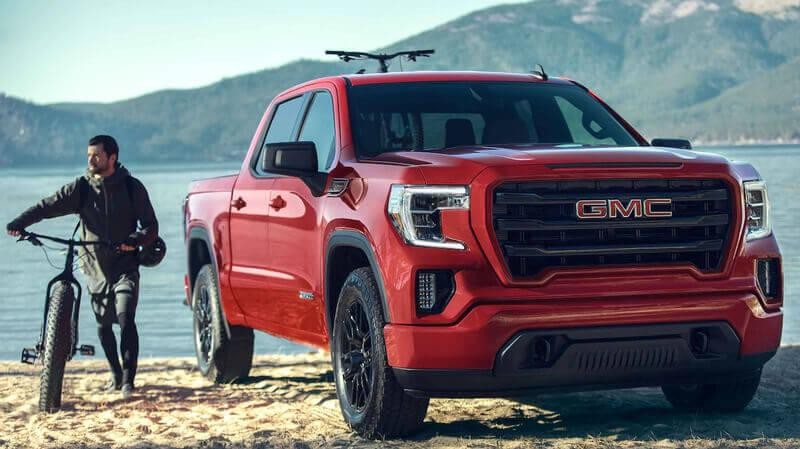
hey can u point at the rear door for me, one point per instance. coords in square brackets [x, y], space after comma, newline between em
[250, 276]
[296, 228]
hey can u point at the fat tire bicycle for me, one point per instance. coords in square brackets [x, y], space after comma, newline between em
[58, 338]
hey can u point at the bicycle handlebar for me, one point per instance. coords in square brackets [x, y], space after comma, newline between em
[34, 239]
[351, 55]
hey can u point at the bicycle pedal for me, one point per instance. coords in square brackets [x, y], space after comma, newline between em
[87, 350]
[29, 356]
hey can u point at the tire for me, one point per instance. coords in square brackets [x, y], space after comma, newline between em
[714, 398]
[372, 402]
[221, 358]
[56, 345]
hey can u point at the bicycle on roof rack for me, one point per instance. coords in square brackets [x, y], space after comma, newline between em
[58, 338]
[382, 58]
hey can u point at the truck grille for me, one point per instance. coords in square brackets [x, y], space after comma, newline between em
[537, 227]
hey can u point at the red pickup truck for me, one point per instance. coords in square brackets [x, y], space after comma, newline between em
[460, 234]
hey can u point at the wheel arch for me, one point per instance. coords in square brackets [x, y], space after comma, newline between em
[199, 254]
[347, 250]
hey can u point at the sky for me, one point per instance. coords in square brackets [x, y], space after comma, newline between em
[107, 51]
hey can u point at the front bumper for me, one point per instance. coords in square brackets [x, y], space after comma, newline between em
[487, 350]
[597, 358]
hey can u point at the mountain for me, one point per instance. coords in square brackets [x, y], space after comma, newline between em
[32, 134]
[709, 70]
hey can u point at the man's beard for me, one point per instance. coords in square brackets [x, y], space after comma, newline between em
[97, 169]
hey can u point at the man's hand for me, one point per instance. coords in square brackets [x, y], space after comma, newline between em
[128, 245]
[13, 230]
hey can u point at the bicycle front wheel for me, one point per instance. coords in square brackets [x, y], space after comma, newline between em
[56, 344]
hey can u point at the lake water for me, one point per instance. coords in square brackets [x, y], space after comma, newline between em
[165, 325]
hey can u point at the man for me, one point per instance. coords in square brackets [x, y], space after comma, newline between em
[109, 202]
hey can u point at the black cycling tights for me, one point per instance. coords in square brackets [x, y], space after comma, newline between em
[129, 345]
[125, 302]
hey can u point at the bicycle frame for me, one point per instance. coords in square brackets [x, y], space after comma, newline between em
[68, 277]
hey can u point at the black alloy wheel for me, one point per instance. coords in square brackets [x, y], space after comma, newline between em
[224, 351]
[203, 330]
[356, 357]
[373, 403]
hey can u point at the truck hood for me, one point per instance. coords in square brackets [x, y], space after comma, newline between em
[461, 164]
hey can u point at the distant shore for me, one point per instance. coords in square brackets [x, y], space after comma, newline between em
[289, 402]
[233, 164]
[746, 143]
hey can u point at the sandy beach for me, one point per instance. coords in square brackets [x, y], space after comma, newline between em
[289, 402]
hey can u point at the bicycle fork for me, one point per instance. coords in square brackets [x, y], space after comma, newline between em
[30, 355]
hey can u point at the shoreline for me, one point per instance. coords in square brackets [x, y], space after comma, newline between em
[234, 164]
[746, 143]
[289, 401]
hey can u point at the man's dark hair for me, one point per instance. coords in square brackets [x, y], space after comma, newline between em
[109, 144]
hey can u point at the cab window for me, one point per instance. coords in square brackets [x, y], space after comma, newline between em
[318, 127]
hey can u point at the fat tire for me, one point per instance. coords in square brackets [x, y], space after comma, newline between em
[56, 346]
[729, 397]
[390, 411]
[231, 356]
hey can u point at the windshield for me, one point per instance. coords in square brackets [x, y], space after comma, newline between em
[434, 115]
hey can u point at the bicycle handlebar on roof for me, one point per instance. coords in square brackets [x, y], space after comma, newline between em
[348, 56]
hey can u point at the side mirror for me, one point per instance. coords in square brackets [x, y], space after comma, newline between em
[672, 143]
[290, 158]
[298, 159]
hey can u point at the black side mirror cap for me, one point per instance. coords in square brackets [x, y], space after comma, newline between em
[290, 158]
[672, 143]
[298, 159]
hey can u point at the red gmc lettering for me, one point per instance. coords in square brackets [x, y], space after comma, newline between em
[613, 208]
[597, 209]
[634, 208]
[648, 208]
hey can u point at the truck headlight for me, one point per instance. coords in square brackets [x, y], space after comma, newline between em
[756, 210]
[415, 212]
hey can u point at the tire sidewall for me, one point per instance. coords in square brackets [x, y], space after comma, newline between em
[207, 280]
[57, 345]
[728, 397]
[354, 291]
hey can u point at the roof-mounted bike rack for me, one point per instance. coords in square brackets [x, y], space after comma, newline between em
[382, 58]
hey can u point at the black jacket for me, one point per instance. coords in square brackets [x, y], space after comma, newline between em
[108, 213]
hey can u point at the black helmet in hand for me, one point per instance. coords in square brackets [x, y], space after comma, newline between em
[152, 255]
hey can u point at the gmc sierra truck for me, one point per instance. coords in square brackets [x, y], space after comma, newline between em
[456, 234]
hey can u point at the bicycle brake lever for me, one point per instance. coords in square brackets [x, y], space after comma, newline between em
[34, 241]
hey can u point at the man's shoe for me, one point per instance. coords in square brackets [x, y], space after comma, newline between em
[127, 391]
[112, 386]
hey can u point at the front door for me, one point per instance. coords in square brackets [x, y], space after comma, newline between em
[250, 247]
[296, 231]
